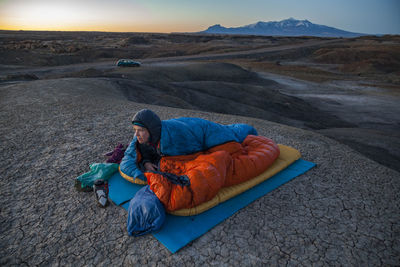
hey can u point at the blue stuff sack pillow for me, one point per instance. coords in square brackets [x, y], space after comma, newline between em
[145, 214]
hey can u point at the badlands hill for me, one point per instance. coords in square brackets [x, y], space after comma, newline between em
[347, 89]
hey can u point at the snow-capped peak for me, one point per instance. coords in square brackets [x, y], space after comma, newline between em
[286, 27]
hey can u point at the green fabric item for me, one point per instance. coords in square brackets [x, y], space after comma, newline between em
[97, 171]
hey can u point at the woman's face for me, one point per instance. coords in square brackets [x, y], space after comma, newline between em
[142, 134]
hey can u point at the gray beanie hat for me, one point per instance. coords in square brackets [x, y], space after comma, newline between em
[150, 120]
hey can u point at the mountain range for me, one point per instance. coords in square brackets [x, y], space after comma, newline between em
[287, 27]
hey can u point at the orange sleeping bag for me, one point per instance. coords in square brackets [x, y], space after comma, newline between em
[223, 165]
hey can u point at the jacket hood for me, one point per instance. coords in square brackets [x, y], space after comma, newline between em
[151, 122]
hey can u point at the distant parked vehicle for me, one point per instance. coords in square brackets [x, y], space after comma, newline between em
[128, 63]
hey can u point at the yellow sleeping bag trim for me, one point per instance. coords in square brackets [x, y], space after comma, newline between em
[287, 156]
[131, 179]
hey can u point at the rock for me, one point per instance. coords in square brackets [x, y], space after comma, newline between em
[20, 77]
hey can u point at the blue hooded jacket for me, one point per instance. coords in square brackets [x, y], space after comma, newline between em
[183, 136]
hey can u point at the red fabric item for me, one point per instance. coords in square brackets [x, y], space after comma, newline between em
[224, 165]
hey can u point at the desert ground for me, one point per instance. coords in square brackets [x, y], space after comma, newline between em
[64, 103]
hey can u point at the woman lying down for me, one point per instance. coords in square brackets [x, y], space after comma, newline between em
[186, 161]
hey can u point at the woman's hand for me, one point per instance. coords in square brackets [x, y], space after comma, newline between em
[150, 166]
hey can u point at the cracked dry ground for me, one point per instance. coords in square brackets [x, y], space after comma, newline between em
[345, 211]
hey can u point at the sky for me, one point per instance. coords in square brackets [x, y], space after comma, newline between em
[164, 16]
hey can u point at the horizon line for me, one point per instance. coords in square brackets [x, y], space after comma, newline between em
[137, 32]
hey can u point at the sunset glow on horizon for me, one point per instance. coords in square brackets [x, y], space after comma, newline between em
[369, 16]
